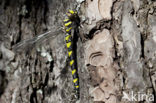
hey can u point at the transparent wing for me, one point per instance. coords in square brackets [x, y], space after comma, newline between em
[28, 44]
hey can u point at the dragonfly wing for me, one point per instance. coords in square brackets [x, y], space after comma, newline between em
[28, 44]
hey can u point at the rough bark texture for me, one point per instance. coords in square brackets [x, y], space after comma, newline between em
[117, 58]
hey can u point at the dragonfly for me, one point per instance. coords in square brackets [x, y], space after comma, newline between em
[68, 24]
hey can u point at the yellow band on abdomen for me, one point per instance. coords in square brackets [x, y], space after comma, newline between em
[73, 71]
[66, 20]
[75, 80]
[69, 53]
[77, 86]
[71, 62]
[68, 44]
[67, 30]
[68, 23]
[67, 37]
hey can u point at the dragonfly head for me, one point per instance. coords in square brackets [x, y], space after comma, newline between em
[72, 15]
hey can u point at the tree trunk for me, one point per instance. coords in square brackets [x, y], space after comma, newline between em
[115, 59]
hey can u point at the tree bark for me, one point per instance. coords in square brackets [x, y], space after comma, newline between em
[117, 58]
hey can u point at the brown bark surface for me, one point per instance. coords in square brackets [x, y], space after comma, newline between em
[117, 57]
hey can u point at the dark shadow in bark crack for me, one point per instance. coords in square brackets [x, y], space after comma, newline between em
[3, 82]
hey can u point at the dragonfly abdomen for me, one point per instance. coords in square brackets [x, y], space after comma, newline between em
[69, 45]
